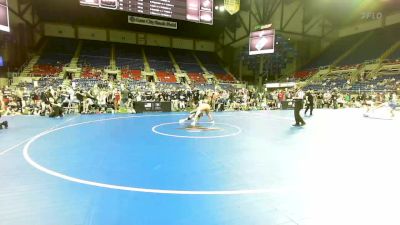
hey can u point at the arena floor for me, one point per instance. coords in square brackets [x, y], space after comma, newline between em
[249, 168]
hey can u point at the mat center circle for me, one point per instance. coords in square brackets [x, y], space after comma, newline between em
[201, 130]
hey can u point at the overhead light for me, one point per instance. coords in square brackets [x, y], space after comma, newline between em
[222, 8]
[216, 7]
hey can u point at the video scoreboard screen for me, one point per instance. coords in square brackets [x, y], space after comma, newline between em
[200, 11]
[4, 23]
[262, 42]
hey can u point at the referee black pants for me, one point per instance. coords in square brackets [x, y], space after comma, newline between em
[298, 105]
[309, 107]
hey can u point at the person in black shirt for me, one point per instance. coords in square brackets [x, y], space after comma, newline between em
[3, 124]
[309, 103]
[196, 97]
[80, 96]
[56, 111]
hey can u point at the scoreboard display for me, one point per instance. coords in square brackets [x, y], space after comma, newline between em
[4, 22]
[262, 42]
[200, 11]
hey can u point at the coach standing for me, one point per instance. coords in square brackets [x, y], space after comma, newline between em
[298, 105]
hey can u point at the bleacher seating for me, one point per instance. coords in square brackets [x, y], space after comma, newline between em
[24, 84]
[129, 57]
[46, 70]
[186, 61]
[225, 78]
[136, 85]
[335, 50]
[228, 87]
[374, 46]
[171, 86]
[95, 54]
[330, 82]
[367, 52]
[205, 86]
[211, 62]
[43, 82]
[370, 49]
[304, 74]
[166, 77]
[131, 74]
[197, 78]
[58, 51]
[91, 72]
[88, 83]
[384, 82]
[46, 82]
[381, 83]
[158, 59]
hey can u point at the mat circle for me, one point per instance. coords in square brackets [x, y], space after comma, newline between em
[54, 173]
[235, 131]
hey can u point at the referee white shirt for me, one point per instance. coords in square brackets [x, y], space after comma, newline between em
[299, 95]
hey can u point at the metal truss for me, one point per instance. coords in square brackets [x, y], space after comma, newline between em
[261, 12]
[26, 12]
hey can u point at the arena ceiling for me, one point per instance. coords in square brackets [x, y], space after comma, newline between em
[337, 12]
[69, 11]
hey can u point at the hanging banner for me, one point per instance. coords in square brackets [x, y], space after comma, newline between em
[152, 22]
[232, 6]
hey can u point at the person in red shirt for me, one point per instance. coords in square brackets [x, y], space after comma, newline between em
[117, 100]
[281, 98]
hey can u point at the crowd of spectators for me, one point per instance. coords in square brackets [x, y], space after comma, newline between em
[53, 97]
[334, 98]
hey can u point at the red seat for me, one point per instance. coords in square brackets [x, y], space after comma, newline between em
[46, 70]
[166, 77]
[225, 78]
[131, 74]
[90, 72]
[303, 74]
[197, 78]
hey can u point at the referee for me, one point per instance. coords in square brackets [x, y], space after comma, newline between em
[298, 105]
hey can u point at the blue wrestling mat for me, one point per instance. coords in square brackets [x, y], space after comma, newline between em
[247, 168]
